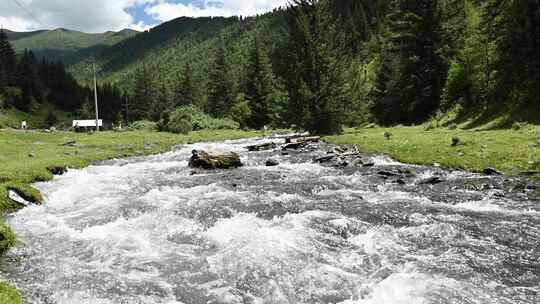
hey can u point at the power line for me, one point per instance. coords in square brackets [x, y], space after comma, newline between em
[29, 13]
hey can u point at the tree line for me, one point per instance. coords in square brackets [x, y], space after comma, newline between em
[339, 62]
[26, 82]
[319, 65]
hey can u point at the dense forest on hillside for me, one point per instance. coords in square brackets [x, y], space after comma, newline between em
[27, 82]
[322, 64]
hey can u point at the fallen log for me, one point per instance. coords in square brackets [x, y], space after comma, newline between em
[295, 146]
[205, 160]
[313, 139]
[262, 147]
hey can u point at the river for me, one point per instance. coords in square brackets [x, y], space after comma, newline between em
[152, 230]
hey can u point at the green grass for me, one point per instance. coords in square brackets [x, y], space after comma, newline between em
[12, 117]
[510, 151]
[9, 295]
[25, 157]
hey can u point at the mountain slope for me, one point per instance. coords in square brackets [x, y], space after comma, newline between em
[165, 49]
[65, 45]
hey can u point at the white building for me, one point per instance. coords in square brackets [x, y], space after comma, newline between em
[86, 124]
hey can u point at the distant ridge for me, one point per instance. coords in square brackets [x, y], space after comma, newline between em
[64, 44]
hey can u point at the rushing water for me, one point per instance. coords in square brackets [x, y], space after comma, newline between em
[150, 230]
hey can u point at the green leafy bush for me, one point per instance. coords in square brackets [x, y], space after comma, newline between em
[241, 111]
[7, 238]
[180, 125]
[143, 125]
[191, 118]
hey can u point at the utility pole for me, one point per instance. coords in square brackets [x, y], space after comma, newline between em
[95, 97]
[127, 108]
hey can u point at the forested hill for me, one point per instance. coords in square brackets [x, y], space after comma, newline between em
[166, 48]
[65, 45]
[324, 64]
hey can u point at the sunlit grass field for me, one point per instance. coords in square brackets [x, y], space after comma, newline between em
[510, 151]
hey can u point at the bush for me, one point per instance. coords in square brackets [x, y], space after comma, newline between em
[7, 238]
[143, 125]
[51, 120]
[241, 111]
[180, 125]
[193, 119]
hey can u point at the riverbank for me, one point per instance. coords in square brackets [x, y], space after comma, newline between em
[33, 156]
[510, 151]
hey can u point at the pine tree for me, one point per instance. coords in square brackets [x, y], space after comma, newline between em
[259, 87]
[184, 94]
[515, 27]
[28, 81]
[145, 95]
[8, 62]
[161, 105]
[413, 50]
[313, 84]
[220, 97]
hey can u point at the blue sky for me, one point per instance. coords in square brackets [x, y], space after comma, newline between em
[105, 15]
[139, 14]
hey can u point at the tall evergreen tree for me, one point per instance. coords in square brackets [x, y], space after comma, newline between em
[8, 62]
[184, 94]
[312, 81]
[412, 70]
[515, 27]
[145, 97]
[161, 105]
[28, 81]
[259, 87]
[220, 97]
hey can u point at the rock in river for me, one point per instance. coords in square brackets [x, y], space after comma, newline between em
[272, 163]
[205, 160]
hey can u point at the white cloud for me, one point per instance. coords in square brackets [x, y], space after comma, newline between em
[105, 15]
[165, 11]
[84, 15]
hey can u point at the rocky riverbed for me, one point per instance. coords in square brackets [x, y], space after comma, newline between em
[319, 224]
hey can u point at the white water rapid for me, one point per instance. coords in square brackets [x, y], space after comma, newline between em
[149, 230]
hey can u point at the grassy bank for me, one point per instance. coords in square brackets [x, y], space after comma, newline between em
[510, 151]
[28, 157]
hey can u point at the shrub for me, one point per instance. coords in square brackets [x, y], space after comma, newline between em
[143, 125]
[51, 120]
[241, 112]
[192, 118]
[179, 125]
[7, 238]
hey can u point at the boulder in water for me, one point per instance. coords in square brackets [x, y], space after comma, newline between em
[325, 159]
[272, 163]
[205, 160]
